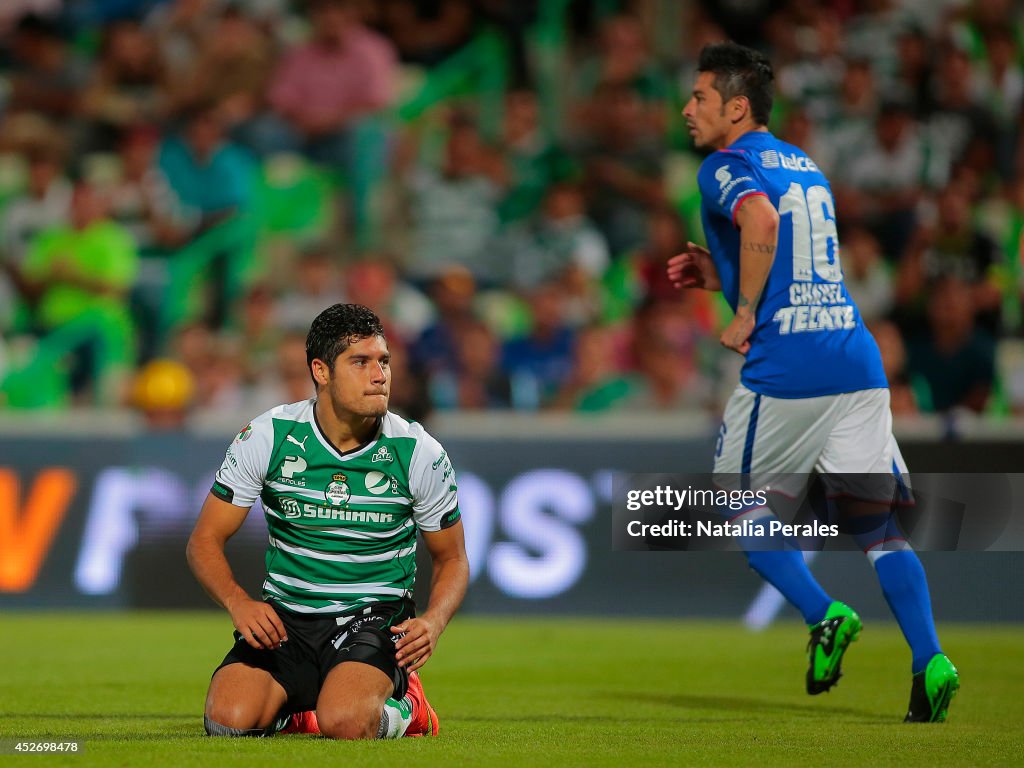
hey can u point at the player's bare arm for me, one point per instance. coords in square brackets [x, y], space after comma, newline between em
[255, 620]
[694, 268]
[758, 222]
[447, 550]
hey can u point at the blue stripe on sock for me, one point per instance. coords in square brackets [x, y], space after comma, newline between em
[748, 446]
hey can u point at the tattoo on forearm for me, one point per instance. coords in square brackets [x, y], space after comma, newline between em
[744, 302]
[764, 248]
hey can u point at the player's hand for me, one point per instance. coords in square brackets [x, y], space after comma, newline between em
[737, 335]
[694, 268]
[418, 644]
[258, 623]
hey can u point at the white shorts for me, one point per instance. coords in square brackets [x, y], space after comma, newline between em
[847, 438]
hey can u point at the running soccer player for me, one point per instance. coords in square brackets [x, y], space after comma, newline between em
[812, 393]
[345, 486]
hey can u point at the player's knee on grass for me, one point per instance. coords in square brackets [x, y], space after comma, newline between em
[242, 699]
[359, 717]
[348, 724]
[350, 721]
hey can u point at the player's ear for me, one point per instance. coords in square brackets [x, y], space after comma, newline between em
[739, 107]
[321, 372]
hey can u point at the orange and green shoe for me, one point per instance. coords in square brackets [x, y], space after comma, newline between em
[301, 722]
[424, 718]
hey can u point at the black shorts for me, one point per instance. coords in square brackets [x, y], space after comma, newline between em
[317, 644]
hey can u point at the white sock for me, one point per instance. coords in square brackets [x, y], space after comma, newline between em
[395, 718]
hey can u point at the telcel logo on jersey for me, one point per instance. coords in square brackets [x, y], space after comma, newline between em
[796, 163]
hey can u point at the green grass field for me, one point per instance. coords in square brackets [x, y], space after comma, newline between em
[524, 692]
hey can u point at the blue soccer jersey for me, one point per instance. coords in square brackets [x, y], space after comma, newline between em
[808, 339]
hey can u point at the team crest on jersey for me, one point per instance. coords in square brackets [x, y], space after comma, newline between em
[245, 434]
[382, 454]
[337, 493]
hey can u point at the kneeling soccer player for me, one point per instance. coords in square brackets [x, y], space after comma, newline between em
[345, 486]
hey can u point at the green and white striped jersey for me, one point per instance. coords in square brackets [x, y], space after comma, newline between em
[342, 524]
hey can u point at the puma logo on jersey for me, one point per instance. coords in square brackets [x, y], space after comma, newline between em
[382, 454]
[292, 466]
[301, 445]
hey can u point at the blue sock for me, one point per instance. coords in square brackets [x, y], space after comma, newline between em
[905, 587]
[786, 570]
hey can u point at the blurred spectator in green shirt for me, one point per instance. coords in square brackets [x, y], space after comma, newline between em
[88, 264]
[77, 277]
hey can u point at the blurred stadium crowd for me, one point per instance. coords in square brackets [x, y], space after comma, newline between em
[185, 184]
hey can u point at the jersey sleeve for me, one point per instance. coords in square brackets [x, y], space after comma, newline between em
[726, 179]
[435, 502]
[239, 480]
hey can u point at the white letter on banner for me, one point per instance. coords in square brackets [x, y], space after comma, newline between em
[547, 554]
[111, 528]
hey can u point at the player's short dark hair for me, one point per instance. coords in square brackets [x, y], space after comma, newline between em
[338, 327]
[740, 71]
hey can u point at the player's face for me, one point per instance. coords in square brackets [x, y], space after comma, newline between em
[706, 117]
[361, 381]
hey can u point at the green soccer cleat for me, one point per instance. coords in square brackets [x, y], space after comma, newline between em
[932, 691]
[829, 640]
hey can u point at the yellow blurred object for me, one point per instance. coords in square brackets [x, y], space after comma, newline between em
[163, 385]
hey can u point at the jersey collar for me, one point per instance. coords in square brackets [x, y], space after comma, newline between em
[748, 139]
[339, 454]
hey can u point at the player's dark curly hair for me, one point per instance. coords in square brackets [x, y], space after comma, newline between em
[740, 71]
[336, 328]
